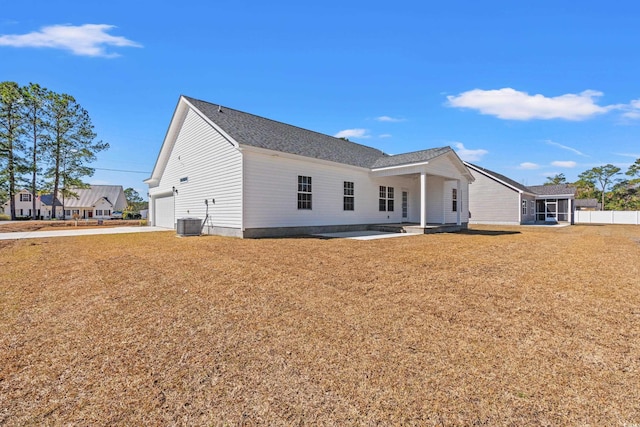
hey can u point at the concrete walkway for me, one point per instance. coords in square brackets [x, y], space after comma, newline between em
[364, 235]
[79, 232]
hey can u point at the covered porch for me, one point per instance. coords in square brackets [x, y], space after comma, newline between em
[436, 197]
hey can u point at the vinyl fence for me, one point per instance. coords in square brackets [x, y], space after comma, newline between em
[607, 217]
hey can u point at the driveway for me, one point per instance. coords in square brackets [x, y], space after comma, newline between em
[79, 232]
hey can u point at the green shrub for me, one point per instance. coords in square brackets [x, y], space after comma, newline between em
[4, 217]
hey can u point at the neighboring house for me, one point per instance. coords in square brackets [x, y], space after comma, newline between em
[497, 199]
[588, 205]
[254, 177]
[96, 201]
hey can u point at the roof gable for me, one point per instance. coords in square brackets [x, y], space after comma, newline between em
[87, 197]
[500, 178]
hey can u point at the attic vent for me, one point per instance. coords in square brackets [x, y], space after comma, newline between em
[184, 179]
[219, 109]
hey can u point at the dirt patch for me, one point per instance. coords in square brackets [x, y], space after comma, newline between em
[508, 326]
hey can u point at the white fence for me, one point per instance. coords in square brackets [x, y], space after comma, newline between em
[607, 217]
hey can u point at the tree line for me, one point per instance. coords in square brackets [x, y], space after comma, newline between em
[46, 143]
[607, 184]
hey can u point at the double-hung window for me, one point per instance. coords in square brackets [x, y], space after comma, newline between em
[348, 199]
[385, 199]
[454, 200]
[524, 207]
[25, 197]
[304, 192]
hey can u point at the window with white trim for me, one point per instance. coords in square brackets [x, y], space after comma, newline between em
[524, 207]
[25, 197]
[304, 192]
[98, 212]
[385, 199]
[348, 200]
[454, 200]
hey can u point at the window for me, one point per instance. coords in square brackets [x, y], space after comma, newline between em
[67, 212]
[106, 212]
[98, 212]
[184, 179]
[454, 200]
[304, 192]
[348, 201]
[385, 200]
[25, 197]
[524, 207]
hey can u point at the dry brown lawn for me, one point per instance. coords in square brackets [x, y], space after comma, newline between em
[495, 326]
[17, 226]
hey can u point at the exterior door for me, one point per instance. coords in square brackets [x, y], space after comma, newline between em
[551, 211]
[405, 206]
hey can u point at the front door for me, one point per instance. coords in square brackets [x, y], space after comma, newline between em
[551, 210]
[405, 206]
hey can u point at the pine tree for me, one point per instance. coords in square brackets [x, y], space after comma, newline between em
[11, 145]
[35, 98]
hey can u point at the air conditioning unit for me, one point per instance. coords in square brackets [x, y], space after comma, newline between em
[189, 226]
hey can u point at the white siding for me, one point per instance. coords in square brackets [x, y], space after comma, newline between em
[492, 202]
[271, 193]
[212, 167]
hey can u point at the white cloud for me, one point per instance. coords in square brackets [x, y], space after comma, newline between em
[389, 119]
[529, 166]
[510, 104]
[352, 133]
[564, 164]
[83, 40]
[564, 147]
[632, 110]
[469, 155]
[632, 155]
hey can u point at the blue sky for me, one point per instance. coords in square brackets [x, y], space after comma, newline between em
[527, 89]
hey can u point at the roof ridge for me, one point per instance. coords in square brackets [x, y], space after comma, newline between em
[222, 107]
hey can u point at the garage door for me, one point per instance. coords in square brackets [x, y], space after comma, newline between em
[164, 212]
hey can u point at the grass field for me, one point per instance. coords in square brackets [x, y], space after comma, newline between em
[495, 326]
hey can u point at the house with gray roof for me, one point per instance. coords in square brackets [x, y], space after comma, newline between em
[245, 175]
[94, 201]
[496, 199]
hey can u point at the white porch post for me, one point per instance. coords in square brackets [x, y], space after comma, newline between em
[423, 199]
[459, 202]
[570, 213]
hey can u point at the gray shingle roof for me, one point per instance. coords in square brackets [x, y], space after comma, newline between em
[47, 199]
[256, 131]
[408, 158]
[553, 190]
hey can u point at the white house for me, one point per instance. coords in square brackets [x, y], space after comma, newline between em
[96, 201]
[248, 176]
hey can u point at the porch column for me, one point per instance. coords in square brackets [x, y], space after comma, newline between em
[423, 199]
[570, 213]
[459, 202]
